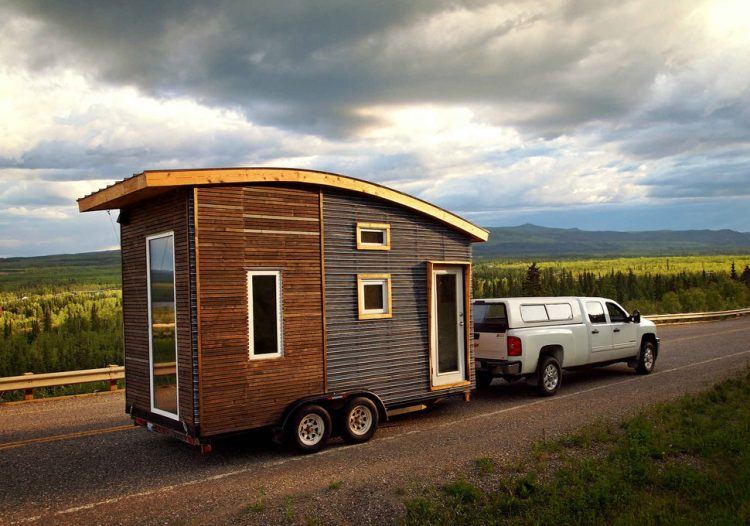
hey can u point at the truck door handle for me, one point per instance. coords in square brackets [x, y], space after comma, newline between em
[595, 331]
[616, 330]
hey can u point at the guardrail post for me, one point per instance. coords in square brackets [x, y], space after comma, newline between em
[28, 394]
[112, 380]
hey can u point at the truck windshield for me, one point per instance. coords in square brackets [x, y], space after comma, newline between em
[490, 317]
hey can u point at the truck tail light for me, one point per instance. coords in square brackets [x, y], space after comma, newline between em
[514, 346]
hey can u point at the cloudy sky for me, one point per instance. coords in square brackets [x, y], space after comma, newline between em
[624, 115]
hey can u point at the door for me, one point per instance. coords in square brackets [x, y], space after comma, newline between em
[448, 329]
[601, 332]
[623, 332]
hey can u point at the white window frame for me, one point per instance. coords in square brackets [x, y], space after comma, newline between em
[385, 228]
[279, 318]
[156, 410]
[384, 280]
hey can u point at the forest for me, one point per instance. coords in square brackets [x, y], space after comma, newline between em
[65, 312]
[652, 285]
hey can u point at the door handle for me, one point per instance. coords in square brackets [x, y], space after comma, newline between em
[616, 330]
[595, 331]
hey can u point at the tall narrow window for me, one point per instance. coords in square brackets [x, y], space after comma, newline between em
[374, 296]
[264, 313]
[162, 322]
[373, 236]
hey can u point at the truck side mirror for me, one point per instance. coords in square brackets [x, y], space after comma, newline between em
[635, 316]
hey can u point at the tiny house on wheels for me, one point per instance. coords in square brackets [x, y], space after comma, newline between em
[304, 301]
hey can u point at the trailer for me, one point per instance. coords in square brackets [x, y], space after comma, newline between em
[308, 302]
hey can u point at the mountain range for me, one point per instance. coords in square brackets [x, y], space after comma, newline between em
[537, 241]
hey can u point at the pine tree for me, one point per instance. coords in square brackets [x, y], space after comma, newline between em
[532, 283]
[745, 277]
[47, 320]
[733, 272]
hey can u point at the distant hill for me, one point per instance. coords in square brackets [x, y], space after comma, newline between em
[63, 272]
[542, 242]
[102, 269]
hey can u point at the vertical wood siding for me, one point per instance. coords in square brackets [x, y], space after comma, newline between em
[160, 214]
[388, 356]
[241, 228]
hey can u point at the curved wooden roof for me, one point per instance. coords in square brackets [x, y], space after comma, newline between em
[153, 182]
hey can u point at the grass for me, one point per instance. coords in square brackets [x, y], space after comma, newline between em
[684, 462]
[333, 486]
[485, 465]
[665, 265]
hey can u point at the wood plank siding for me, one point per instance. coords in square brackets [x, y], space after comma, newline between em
[242, 228]
[388, 356]
[161, 214]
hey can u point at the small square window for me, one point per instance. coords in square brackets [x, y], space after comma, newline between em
[373, 236]
[374, 296]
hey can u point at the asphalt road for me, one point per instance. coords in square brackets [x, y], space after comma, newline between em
[78, 461]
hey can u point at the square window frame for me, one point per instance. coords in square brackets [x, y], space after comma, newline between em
[279, 316]
[368, 279]
[380, 227]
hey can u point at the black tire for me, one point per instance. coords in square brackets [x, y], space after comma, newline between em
[359, 420]
[484, 379]
[646, 358]
[309, 428]
[549, 376]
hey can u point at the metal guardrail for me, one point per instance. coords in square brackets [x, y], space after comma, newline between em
[29, 381]
[696, 316]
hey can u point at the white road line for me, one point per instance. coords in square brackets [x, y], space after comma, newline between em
[453, 422]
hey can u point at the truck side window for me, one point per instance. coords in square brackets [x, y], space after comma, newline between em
[616, 314]
[596, 312]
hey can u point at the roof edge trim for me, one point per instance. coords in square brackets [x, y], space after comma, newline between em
[153, 182]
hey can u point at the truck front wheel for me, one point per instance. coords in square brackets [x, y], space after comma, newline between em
[549, 376]
[647, 359]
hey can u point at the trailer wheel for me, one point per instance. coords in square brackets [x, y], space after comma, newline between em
[549, 376]
[359, 420]
[484, 379]
[310, 428]
[646, 359]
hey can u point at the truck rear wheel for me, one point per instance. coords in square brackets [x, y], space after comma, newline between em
[484, 379]
[646, 359]
[359, 420]
[548, 376]
[310, 428]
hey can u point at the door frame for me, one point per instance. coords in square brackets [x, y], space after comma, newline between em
[154, 409]
[468, 364]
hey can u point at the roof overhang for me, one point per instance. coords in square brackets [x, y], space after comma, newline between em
[154, 182]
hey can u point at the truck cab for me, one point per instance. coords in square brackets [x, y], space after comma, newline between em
[536, 338]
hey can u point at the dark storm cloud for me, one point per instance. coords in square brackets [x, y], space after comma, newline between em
[310, 65]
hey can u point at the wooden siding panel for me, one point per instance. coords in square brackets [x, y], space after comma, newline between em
[257, 227]
[161, 214]
[388, 356]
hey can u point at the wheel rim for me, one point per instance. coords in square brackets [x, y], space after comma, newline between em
[648, 358]
[311, 428]
[360, 420]
[551, 377]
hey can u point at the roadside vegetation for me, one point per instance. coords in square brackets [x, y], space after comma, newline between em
[663, 285]
[63, 313]
[683, 462]
[60, 313]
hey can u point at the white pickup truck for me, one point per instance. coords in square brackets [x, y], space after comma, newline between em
[536, 338]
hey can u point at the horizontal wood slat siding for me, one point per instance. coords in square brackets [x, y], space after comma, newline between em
[239, 393]
[388, 356]
[161, 214]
